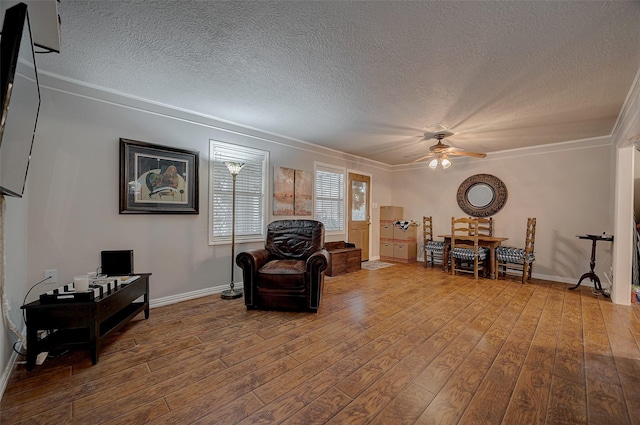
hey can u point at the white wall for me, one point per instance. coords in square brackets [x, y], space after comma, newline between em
[624, 226]
[567, 190]
[636, 185]
[73, 201]
[626, 132]
[15, 284]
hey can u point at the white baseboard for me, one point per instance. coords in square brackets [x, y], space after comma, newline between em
[6, 373]
[561, 279]
[608, 284]
[159, 302]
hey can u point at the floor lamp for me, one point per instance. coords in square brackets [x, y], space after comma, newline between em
[234, 168]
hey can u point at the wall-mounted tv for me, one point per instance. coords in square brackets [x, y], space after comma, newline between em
[20, 96]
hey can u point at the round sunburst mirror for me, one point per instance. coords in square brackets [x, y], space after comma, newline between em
[482, 195]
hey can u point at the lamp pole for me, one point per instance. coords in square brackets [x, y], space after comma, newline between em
[232, 293]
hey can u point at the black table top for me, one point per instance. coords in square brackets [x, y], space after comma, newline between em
[596, 237]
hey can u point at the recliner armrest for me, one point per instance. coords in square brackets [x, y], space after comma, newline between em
[253, 259]
[318, 260]
[316, 264]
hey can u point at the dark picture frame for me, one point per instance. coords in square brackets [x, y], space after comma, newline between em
[157, 179]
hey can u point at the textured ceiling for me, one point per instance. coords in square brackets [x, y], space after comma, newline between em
[367, 77]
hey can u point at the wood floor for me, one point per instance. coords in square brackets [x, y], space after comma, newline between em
[400, 345]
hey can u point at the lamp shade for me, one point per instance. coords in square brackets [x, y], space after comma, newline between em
[234, 167]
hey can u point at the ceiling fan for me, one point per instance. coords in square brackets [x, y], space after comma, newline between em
[441, 152]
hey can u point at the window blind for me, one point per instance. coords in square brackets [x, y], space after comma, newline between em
[329, 205]
[250, 192]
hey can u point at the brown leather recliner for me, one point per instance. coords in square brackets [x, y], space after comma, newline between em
[288, 273]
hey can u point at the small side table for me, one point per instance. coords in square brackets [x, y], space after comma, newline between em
[591, 274]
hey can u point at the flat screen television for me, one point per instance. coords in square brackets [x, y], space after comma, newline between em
[116, 263]
[20, 93]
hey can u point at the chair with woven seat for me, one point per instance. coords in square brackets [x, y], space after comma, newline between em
[466, 254]
[485, 228]
[433, 250]
[518, 260]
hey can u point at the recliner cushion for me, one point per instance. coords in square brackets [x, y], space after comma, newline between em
[294, 239]
[282, 274]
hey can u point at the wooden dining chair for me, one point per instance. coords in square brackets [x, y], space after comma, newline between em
[485, 226]
[518, 260]
[433, 250]
[465, 249]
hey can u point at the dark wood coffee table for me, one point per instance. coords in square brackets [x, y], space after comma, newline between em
[84, 323]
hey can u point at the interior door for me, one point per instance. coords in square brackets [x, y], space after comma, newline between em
[359, 219]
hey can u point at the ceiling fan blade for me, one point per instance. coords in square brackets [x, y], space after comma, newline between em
[464, 153]
[412, 155]
[422, 158]
[393, 145]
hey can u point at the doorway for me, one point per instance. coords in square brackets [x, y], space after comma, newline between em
[359, 221]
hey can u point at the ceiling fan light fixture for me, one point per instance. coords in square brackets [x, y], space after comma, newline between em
[441, 160]
[441, 152]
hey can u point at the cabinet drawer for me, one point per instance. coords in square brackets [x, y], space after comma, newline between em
[386, 230]
[405, 250]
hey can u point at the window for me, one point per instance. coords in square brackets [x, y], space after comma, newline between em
[251, 192]
[329, 206]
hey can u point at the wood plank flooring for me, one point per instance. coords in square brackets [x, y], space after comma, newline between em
[399, 345]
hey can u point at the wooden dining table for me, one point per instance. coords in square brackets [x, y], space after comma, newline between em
[491, 242]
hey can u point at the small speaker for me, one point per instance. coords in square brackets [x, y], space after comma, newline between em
[116, 263]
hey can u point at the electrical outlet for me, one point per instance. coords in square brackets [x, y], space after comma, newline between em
[51, 276]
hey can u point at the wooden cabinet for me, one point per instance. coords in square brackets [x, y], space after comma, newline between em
[344, 257]
[390, 213]
[405, 252]
[397, 243]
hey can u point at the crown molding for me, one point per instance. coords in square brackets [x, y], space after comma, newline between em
[626, 131]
